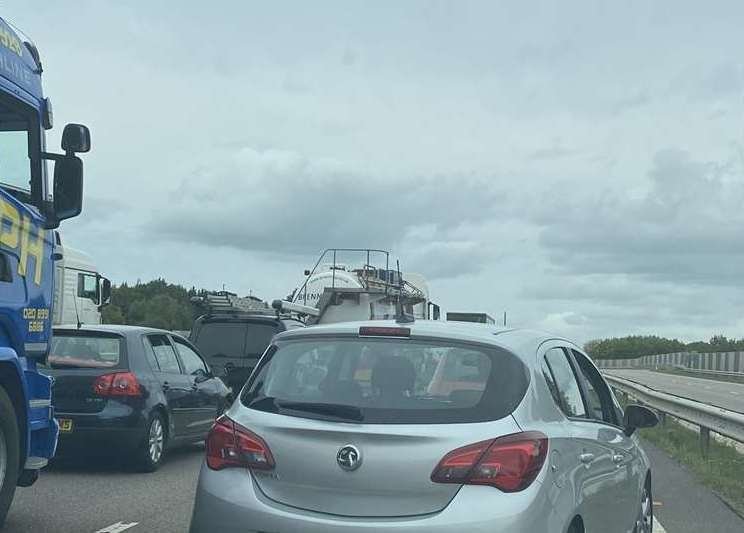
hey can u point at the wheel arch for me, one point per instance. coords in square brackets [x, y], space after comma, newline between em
[163, 411]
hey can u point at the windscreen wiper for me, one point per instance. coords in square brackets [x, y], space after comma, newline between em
[348, 412]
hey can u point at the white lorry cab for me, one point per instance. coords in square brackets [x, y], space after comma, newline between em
[80, 291]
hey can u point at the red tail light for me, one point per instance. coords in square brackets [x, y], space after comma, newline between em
[118, 384]
[229, 444]
[508, 463]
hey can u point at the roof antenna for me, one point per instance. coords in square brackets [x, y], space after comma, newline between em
[400, 315]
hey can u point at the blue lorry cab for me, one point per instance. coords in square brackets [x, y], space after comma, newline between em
[30, 208]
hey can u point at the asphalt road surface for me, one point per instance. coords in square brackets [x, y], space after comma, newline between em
[88, 498]
[103, 498]
[719, 393]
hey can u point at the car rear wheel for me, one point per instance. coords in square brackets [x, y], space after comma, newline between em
[150, 453]
[645, 520]
[9, 453]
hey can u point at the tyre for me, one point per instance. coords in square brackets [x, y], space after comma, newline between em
[151, 451]
[9, 453]
[645, 520]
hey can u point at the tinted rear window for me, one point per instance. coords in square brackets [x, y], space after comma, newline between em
[85, 351]
[258, 339]
[237, 339]
[222, 339]
[390, 380]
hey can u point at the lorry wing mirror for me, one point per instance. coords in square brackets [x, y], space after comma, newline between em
[68, 187]
[75, 138]
[105, 292]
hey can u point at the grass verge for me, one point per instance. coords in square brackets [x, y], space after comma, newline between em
[722, 471]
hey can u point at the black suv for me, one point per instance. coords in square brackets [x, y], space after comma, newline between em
[232, 343]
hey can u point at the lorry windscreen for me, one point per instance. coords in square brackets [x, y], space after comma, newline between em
[16, 141]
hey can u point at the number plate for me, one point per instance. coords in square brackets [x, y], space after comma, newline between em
[65, 425]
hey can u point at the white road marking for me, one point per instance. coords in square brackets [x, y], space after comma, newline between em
[658, 528]
[116, 528]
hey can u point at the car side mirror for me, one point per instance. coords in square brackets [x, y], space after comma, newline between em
[68, 187]
[75, 138]
[638, 416]
[200, 376]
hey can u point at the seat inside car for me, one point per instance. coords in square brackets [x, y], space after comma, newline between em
[393, 376]
[344, 391]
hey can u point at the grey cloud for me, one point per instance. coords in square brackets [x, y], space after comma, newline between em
[556, 151]
[587, 235]
[687, 228]
[722, 81]
[632, 101]
[280, 202]
[451, 259]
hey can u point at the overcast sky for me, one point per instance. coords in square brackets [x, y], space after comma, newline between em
[577, 164]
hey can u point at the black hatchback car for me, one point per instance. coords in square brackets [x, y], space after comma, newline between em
[130, 390]
[233, 342]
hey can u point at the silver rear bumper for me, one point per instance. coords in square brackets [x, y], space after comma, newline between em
[229, 501]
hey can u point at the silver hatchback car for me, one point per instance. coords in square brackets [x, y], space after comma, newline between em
[425, 427]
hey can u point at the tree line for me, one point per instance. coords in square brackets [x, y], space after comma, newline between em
[164, 305]
[156, 304]
[639, 345]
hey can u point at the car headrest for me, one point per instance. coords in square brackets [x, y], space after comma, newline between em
[393, 374]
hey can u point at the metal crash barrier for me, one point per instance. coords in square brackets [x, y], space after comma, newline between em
[707, 417]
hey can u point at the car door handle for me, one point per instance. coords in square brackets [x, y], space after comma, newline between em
[586, 458]
[618, 459]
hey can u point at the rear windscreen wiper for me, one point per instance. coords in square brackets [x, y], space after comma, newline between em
[348, 412]
[272, 405]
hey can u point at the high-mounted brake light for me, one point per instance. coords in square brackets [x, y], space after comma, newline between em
[508, 463]
[117, 384]
[373, 331]
[229, 445]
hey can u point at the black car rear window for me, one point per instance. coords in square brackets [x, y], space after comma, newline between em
[86, 350]
[234, 339]
[388, 381]
[258, 339]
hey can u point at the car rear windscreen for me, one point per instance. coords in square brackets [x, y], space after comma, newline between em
[85, 351]
[388, 381]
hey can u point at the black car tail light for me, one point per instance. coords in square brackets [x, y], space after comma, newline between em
[117, 384]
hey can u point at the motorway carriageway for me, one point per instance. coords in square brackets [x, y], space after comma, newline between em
[719, 393]
[101, 497]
